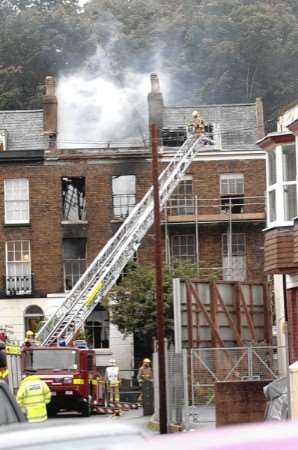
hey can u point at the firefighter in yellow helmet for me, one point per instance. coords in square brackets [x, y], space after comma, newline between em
[33, 396]
[3, 364]
[145, 371]
[29, 338]
[198, 122]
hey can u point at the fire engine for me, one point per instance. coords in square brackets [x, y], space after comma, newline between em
[71, 374]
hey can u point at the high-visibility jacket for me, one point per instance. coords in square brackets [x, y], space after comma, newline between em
[4, 374]
[33, 395]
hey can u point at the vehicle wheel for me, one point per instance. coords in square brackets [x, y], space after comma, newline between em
[52, 412]
[86, 409]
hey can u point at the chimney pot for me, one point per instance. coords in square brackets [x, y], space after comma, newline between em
[50, 86]
[50, 107]
[155, 86]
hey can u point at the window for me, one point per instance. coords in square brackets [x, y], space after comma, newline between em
[232, 193]
[74, 261]
[281, 185]
[3, 140]
[16, 199]
[237, 244]
[18, 268]
[97, 328]
[183, 248]
[124, 195]
[73, 197]
[173, 137]
[33, 317]
[234, 256]
[181, 201]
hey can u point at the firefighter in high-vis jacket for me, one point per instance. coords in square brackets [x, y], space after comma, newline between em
[33, 396]
[3, 363]
[113, 381]
[198, 123]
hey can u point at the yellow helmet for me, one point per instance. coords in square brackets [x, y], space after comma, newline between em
[195, 114]
[29, 333]
[146, 360]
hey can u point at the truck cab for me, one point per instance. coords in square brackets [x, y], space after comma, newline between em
[71, 375]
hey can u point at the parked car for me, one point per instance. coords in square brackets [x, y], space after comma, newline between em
[70, 435]
[10, 412]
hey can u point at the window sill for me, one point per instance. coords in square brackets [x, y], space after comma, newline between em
[279, 225]
[17, 225]
[103, 351]
[74, 222]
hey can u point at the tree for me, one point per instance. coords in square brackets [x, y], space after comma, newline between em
[133, 306]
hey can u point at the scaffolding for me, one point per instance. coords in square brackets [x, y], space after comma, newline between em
[195, 211]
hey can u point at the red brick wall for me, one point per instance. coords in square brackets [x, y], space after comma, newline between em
[45, 230]
[292, 306]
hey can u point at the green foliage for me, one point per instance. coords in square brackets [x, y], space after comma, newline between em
[216, 51]
[132, 302]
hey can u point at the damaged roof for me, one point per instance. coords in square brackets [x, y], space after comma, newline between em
[25, 130]
[234, 124]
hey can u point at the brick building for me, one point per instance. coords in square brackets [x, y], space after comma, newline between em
[60, 206]
[281, 257]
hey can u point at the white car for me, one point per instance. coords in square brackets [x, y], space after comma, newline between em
[70, 435]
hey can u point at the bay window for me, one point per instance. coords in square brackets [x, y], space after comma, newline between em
[281, 185]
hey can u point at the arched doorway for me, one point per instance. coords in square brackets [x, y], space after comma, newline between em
[33, 315]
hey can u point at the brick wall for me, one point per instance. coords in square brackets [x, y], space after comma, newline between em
[292, 306]
[46, 232]
[244, 400]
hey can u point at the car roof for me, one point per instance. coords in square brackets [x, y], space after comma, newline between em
[23, 435]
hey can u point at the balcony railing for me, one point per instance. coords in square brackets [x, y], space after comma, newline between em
[18, 285]
[224, 207]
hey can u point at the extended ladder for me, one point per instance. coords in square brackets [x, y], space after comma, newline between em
[106, 268]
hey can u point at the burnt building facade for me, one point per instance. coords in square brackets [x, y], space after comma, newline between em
[60, 206]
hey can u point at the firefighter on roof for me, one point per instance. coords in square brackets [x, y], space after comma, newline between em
[33, 396]
[198, 123]
[113, 381]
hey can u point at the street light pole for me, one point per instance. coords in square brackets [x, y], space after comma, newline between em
[159, 285]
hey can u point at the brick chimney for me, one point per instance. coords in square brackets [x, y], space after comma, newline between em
[155, 102]
[50, 108]
[260, 118]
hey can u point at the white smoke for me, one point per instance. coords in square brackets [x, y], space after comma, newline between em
[97, 108]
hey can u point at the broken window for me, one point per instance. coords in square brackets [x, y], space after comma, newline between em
[232, 193]
[124, 195]
[73, 196]
[173, 137]
[97, 328]
[74, 261]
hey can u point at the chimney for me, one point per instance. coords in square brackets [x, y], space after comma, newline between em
[155, 102]
[50, 108]
[260, 118]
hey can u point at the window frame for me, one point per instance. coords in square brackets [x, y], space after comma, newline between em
[7, 220]
[231, 177]
[16, 262]
[183, 258]
[129, 206]
[278, 187]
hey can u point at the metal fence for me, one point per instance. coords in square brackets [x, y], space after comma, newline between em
[211, 365]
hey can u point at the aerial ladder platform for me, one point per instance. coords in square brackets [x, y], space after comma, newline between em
[106, 268]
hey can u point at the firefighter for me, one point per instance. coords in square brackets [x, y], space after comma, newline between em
[3, 363]
[33, 395]
[198, 123]
[145, 371]
[29, 338]
[113, 381]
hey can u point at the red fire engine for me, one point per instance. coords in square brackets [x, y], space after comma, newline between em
[71, 375]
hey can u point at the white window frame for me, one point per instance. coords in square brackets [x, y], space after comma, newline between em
[121, 210]
[278, 188]
[183, 257]
[23, 201]
[3, 139]
[20, 262]
[231, 177]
